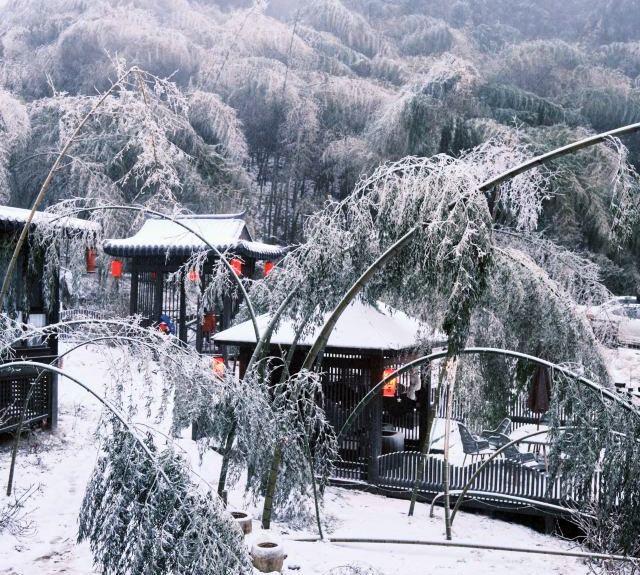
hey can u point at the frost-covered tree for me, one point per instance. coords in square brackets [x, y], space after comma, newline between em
[142, 515]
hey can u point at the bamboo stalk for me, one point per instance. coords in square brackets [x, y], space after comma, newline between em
[426, 443]
[451, 369]
[271, 487]
[557, 153]
[472, 545]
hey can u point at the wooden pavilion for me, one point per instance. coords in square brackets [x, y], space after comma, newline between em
[162, 247]
[33, 299]
[366, 342]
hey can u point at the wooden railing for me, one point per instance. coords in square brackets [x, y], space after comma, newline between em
[500, 476]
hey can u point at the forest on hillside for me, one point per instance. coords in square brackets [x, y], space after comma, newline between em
[276, 107]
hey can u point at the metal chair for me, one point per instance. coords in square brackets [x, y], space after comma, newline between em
[512, 453]
[472, 445]
[489, 434]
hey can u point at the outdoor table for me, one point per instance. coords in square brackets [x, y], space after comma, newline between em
[538, 442]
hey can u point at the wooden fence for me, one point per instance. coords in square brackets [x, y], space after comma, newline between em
[399, 471]
[18, 384]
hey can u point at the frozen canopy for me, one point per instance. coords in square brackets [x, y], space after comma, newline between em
[158, 237]
[15, 218]
[361, 326]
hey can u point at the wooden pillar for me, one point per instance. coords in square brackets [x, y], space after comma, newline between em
[54, 317]
[375, 419]
[133, 298]
[200, 314]
[424, 400]
[158, 297]
[244, 357]
[182, 326]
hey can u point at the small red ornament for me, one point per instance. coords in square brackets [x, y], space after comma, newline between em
[218, 365]
[91, 254]
[236, 264]
[389, 389]
[116, 269]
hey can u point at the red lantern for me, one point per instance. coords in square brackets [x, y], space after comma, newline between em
[236, 264]
[153, 276]
[90, 256]
[116, 268]
[209, 323]
[268, 266]
[218, 365]
[194, 276]
[389, 388]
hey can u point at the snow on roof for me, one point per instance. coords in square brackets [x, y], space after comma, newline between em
[159, 236]
[361, 326]
[13, 218]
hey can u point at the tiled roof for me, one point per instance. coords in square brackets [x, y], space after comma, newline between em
[159, 237]
[14, 218]
[361, 326]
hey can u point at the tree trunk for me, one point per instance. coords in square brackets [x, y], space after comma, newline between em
[271, 487]
[224, 470]
[426, 440]
[451, 369]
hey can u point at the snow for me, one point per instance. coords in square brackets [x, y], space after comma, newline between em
[21, 215]
[361, 326]
[223, 232]
[61, 464]
[623, 367]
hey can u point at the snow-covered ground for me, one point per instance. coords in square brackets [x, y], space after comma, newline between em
[624, 367]
[61, 463]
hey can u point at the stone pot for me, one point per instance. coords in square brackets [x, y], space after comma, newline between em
[267, 556]
[243, 520]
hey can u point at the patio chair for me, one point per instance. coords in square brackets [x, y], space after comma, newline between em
[489, 434]
[472, 445]
[512, 453]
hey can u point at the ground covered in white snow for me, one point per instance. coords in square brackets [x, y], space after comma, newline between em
[60, 464]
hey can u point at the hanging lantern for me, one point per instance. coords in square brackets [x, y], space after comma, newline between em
[236, 264]
[193, 276]
[116, 269]
[153, 276]
[218, 365]
[268, 266]
[389, 388]
[209, 323]
[91, 255]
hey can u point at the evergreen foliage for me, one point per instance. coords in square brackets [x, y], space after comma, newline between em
[136, 522]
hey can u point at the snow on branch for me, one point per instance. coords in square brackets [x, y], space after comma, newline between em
[138, 522]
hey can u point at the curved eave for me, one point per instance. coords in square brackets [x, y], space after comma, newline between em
[70, 225]
[259, 251]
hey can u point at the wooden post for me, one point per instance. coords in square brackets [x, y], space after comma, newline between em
[158, 297]
[375, 419]
[54, 317]
[424, 399]
[133, 298]
[182, 326]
